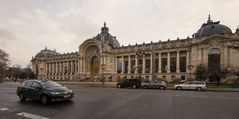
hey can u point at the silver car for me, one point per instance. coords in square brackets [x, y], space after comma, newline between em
[155, 84]
[191, 85]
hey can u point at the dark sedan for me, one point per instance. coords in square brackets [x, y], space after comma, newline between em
[134, 83]
[44, 90]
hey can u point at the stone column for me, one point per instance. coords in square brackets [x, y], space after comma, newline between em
[187, 62]
[65, 66]
[76, 65]
[225, 56]
[160, 62]
[168, 63]
[47, 68]
[143, 64]
[72, 68]
[151, 63]
[122, 59]
[53, 68]
[116, 65]
[205, 56]
[57, 68]
[80, 65]
[178, 63]
[129, 65]
[83, 64]
[136, 64]
[229, 56]
[68, 67]
[199, 56]
[50, 68]
[60, 67]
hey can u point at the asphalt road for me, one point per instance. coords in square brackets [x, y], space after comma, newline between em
[114, 103]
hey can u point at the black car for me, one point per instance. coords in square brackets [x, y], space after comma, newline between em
[44, 90]
[134, 83]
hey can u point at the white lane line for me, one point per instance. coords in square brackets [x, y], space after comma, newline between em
[31, 116]
[4, 109]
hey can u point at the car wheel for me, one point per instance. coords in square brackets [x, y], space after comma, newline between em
[179, 88]
[134, 86]
[21, 97]
[43, 99]
[198, 89]
[145, 87]
[119, 86]
[161, 87]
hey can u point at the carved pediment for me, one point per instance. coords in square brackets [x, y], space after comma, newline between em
[214, 40]
[233, 45]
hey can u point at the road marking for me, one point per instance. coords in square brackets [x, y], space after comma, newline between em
[31, 116]
[4, 109]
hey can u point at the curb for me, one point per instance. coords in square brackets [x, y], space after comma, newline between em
[113, 85]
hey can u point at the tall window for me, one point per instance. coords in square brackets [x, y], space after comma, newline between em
[182, 62]
[173, 61]
[164, 63]
[119, 64]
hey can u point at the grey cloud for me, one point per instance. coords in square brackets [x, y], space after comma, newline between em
[5, 37]
[63, 25]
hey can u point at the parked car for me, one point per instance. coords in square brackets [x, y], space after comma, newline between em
[43, 90]
[158, 84]
[134, 83]
[191, 85]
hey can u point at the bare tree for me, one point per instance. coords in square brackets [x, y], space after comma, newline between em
[4, 59]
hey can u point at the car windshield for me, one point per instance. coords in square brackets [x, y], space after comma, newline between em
[188, 82]
[50, 84]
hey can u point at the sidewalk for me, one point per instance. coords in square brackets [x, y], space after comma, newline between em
[90, 84]
[113, 85]
[223, 89]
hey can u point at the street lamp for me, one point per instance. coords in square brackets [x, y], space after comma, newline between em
[139, 54]
[190, 67]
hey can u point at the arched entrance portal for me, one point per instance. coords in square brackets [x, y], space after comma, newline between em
[213, 63]
[94, 66]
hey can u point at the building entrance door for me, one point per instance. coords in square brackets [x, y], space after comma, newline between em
[213, 64]
[95, 66]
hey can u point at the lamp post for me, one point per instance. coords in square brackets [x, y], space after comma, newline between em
[103, 77]
[139, 54]
[103, 65]
[190, 67]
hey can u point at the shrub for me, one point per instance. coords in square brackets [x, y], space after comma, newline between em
[176, 80]
[230, 81]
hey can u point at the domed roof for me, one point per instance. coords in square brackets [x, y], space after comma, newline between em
[212, 28]
[46, 53]
[106, 38]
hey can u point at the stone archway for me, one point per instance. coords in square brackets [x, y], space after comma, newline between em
[94, 66]
[214, 63]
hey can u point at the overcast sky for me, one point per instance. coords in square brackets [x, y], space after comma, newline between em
[27, 26]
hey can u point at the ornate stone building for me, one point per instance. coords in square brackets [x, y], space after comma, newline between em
[214, 45]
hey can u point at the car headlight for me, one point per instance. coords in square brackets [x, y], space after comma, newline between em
[70, 91]
[55, 93]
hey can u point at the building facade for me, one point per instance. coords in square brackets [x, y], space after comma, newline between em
[213, 45]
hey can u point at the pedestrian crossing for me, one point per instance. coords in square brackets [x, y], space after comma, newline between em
[4, 109]
[23, 114]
